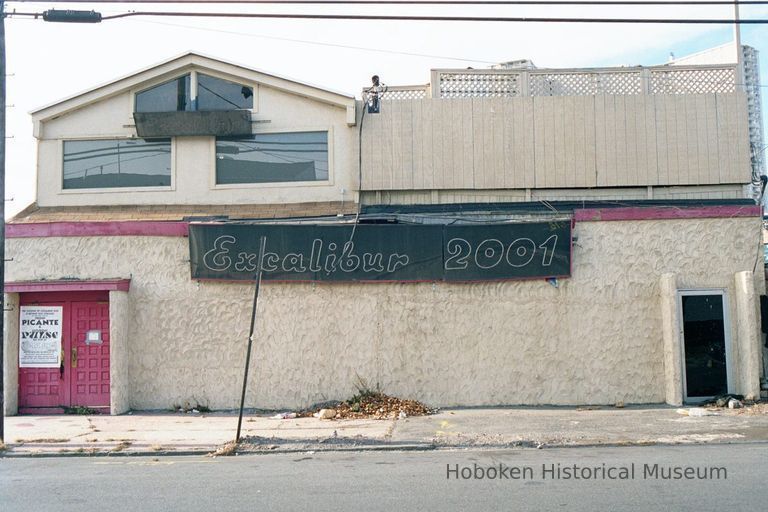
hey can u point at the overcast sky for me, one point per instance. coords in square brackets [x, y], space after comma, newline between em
[49, 61]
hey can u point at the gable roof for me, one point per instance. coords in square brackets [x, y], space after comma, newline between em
[178, 65]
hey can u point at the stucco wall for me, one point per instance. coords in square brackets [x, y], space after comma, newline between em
[11, 354]
[193, 164]
[597, 338]
[120, 315]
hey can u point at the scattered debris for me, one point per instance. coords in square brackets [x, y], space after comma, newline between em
[225, 451]
[43, 440]
[758, 408]
[284, 416]
[722, 400]
[697, 412]
[122, 446]
[371, 405]
[188, 408]
[325, 414]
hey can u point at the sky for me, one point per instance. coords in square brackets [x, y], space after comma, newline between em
[47, 62]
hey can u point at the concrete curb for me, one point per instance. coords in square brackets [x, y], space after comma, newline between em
[415, 447]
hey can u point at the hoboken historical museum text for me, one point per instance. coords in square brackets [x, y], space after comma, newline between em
[558, 471]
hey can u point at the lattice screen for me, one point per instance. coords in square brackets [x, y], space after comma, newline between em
[407, 92]
[404, 94]
[693, 81]
[584, 84]
[469, 85]
[618, 81]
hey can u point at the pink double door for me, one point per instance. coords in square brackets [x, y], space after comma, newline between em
[82, 379]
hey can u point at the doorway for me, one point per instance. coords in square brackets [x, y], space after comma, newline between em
[706, 344]
[64, 352]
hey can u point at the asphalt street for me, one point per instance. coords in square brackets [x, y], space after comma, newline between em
[736, 479]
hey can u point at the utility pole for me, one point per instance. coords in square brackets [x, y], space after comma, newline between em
[55, 16]
[2, 220]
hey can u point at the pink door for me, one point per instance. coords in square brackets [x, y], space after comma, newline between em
[83, 377]
[45, 388]
[89, 354]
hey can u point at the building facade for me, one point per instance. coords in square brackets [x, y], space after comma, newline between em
[505, 236]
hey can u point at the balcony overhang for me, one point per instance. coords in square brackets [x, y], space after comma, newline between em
[224, 123]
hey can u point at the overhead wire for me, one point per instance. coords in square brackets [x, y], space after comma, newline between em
[412, 2]
[400, 17]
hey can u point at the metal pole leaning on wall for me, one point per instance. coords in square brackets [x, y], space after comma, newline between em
[262, 249]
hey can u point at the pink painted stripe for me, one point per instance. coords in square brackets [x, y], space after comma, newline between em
[666, 212]
[122, 228]
[122, 285]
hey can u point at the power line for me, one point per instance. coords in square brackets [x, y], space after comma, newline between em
[351, 47]
[412, 2]
[374, 17]
[370, 17]
[321, 43]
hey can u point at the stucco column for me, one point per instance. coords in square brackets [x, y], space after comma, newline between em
[11, 363]
[747, 353]
[670, 328]
[119, 339]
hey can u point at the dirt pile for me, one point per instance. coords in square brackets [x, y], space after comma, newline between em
[372, 405]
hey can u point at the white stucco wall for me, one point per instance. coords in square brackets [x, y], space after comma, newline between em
[120, 317]
[11, 354]
[673, 363]
[597, 338]
[748, 328]
[193, 158]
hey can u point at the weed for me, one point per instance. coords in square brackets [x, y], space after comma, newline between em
[79, 409]
[364, 391]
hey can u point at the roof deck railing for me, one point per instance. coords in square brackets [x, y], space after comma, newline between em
[490, 83]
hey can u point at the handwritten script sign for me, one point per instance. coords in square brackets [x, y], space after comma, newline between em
[382, 252]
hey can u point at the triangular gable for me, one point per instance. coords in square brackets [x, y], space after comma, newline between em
[179, 65]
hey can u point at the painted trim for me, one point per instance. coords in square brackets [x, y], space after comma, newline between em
[122, 285]
[665, 212]
[110, 228]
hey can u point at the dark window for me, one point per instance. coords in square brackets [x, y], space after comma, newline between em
[217, 94]
[117, 163]
[272, 157]
[173, 96]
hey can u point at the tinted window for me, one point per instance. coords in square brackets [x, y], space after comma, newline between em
[217, 94]
[171, 96]
[272, 157]
[117, 163]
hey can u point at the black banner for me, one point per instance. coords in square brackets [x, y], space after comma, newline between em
[382, 252]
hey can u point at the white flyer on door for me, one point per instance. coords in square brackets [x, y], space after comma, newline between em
[40, 336]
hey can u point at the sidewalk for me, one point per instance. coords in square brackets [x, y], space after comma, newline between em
[537, 427]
